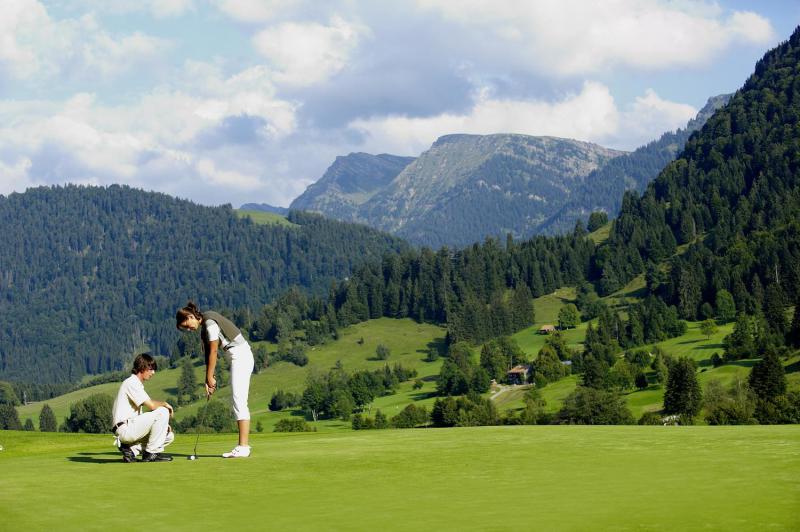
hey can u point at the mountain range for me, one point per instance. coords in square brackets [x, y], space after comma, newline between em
[464, 188]
[469, 187]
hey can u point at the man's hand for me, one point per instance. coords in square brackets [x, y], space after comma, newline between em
[211, 386]
[169, 407]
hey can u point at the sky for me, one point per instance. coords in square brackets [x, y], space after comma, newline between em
[235, 101]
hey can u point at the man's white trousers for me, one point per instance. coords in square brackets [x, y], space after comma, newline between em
[150, 428]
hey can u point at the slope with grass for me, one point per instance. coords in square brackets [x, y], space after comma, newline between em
[408, 342]
[575, 478]
[265, 217]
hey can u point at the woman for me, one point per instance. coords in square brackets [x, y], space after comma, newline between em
[217, 332]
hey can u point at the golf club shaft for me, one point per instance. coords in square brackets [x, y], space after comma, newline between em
[197, 428]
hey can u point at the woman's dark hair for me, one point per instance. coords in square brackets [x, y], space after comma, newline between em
[189, 310]
[143, 362]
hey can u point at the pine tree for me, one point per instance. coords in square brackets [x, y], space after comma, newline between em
[726, 309]
[768, 378]
[47, 420]
[187, 382]
[794, 330]
[9, 419]
[683, 395]
[774, 309]
[741, 343]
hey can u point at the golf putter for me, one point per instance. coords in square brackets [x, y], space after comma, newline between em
[193, 456]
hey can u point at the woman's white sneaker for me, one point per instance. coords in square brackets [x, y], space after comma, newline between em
[240, 451]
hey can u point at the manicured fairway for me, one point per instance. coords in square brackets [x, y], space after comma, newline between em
[486, 478]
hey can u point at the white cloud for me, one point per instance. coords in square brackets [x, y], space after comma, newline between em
[648, 117]
[150, 143]
[226, 178]
[307, 53]
[170, 8]
[160, 9]
[591, 115]
[14, 175]
[35, 46]
[254, 11]
[21, 22]
[574, 37]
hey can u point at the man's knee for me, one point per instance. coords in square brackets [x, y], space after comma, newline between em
[162, 411]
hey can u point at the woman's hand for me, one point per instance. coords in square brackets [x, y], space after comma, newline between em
[211, 386]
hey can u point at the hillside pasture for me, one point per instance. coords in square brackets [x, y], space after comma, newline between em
[265, 218]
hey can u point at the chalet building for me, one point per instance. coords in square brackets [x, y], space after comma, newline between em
[547, 329]
[518, 374]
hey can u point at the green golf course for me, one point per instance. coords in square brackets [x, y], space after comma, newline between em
[485, 478]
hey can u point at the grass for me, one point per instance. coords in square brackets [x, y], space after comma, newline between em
[265, 218]
[408, 343]
[566, 477]
[601, 234]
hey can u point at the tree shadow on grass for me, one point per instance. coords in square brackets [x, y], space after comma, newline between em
[116, 458]
[419, 396]
[792, 367]
[710, 346]
[95, 458]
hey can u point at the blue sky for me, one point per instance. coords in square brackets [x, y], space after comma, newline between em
[234, 101]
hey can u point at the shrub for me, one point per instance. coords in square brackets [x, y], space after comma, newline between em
[211, 417]
[293, 425]
[411, 416]
[382, 352]
[468, 411]
[92, 415]
[650, 418]
[589, 406]
[282, 400]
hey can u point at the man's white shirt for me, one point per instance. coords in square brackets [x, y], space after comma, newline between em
[130, 397]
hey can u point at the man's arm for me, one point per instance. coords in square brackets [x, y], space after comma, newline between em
[153, 404]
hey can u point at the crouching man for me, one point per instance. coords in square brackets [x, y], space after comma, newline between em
[134, 428]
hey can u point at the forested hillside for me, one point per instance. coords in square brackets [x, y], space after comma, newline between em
[88, 274]
[604, 188]
[733, 197]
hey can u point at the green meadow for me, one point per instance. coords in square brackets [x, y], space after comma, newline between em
[482, 478]
[264, 218]
[409, 343]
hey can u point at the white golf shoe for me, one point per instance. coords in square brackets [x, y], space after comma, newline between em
[240, 451]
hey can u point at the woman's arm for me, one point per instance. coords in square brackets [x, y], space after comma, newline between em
[211, 365]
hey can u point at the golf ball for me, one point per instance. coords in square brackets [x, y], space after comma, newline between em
[192, 457]
[1, 447]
